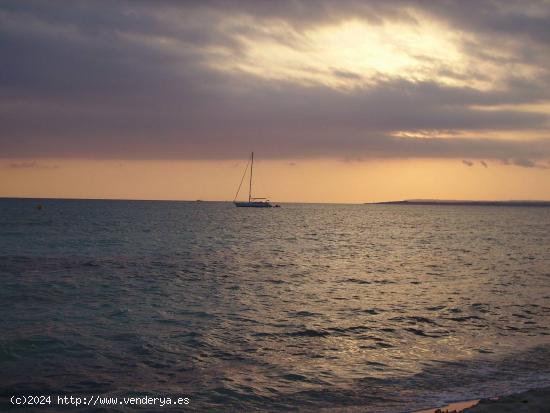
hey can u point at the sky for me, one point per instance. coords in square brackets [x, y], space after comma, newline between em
[341, 100]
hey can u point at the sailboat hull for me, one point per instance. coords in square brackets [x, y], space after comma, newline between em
[254, 204]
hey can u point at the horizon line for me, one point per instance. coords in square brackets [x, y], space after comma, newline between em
[399, 201]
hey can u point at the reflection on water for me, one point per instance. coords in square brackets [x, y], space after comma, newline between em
[306, 306]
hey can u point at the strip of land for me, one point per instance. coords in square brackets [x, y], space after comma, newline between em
[465, 203]
[452, 407]
[532, 401]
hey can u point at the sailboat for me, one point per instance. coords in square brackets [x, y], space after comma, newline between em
[253, 202]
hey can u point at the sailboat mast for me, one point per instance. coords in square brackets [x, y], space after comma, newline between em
[250, 184]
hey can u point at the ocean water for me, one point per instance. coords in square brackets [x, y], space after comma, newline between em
[306, 307]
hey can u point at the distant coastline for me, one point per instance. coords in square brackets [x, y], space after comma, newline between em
[516, 203]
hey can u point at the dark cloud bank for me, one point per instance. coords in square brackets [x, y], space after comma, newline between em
[130, 79]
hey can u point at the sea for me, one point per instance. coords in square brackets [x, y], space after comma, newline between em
[307, 307]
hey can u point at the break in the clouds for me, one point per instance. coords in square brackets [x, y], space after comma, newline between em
[290, 79]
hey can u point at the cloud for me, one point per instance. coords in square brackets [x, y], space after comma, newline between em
[467, 163]
[148, 81]
[484, 164]
[346, 74]
[524, 162]
[31, 165]
[23, 165]
[528, 163]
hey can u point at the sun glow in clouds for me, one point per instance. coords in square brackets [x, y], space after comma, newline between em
[352, 54]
